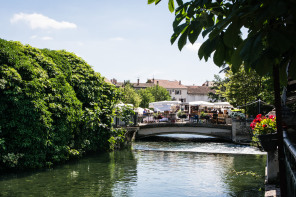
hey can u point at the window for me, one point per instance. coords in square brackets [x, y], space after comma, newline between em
[177, 92]
[182, 100]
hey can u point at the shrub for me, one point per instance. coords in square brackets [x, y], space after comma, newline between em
[53, 106]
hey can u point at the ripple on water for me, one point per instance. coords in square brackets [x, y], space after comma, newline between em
[205, 147]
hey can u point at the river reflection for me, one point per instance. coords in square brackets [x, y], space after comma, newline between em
[145, 171]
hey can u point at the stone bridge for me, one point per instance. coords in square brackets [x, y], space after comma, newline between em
[219, 131]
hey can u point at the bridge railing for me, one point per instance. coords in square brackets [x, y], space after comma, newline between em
[172, 118]
[139, 119]
[290, 163]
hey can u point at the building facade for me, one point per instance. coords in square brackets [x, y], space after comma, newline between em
[177, 91]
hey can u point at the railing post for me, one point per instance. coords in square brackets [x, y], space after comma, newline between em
[136, 119]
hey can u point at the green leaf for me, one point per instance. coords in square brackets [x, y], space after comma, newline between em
[174, 37]
[171, 5]
[231, 35]
[151, 1]
[208, 30]
[279, 42]
[252, 48]
[182, 40]
[193, 35]
[157, 1]
[236, 61]
[177, 32]
[262, 65]
[179, 17]
[219, 54]
[207, 48]
[179, 2]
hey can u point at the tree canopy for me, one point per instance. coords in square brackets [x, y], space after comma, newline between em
[159, 93]
[270, 26]
[53, 106]
[130, 96]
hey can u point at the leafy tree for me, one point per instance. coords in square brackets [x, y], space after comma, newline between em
[53, 106]
[244, 87]
[219, 88]
[270, 39]
[146, 96]
[159, 93]
[269, 47]
[130, 96]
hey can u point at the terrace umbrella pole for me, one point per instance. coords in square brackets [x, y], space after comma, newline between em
[278, 106]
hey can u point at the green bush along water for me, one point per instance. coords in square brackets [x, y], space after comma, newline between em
[53, 106]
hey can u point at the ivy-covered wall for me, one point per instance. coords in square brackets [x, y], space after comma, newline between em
[53, 106]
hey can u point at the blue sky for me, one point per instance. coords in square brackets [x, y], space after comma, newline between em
[120, 39]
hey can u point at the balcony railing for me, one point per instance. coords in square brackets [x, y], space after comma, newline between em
[290, 162]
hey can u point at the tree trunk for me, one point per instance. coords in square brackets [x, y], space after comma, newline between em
[278, 106]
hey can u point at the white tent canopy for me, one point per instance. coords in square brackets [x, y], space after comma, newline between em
[163, 105]
[222, 104]
[139, 110]
[201, 103]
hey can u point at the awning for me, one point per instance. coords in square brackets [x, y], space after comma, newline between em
[201, 103]
[222, 104]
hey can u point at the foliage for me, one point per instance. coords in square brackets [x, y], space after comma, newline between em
[53, 106]
[245, 172]
[262, 125]
[237, 114]
[244, 87]
[130, 96]
[270, 40]
[181, 114]
[125, 113]
[219, 88]
[146, 97]
[159, 93]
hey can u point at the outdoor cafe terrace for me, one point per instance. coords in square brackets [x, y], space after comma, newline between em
[196, 111]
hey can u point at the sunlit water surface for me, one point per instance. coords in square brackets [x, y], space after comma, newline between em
[150, 169]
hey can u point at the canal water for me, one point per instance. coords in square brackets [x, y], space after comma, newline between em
[150, 169]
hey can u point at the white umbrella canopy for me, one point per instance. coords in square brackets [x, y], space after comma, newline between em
[139, 110]
[163, 105]
[222, 104]
[201, 103]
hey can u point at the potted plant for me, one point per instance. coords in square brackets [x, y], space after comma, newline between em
[264, 131]
[237, 115]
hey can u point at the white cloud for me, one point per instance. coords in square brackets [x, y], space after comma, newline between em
[117, 39]
[193, 47]
[41, 38]
[36, 21]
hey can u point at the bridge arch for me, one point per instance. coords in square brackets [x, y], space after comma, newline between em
[209, 130]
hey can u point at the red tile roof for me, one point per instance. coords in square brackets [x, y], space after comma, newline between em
[169, 84]
[142, 85]
[199, 90]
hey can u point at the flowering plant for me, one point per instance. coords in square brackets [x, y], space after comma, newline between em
[240, 115]
[262, 125]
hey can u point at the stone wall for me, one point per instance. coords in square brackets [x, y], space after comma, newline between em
[241, 131]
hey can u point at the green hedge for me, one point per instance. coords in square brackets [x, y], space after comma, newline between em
[53, 106]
